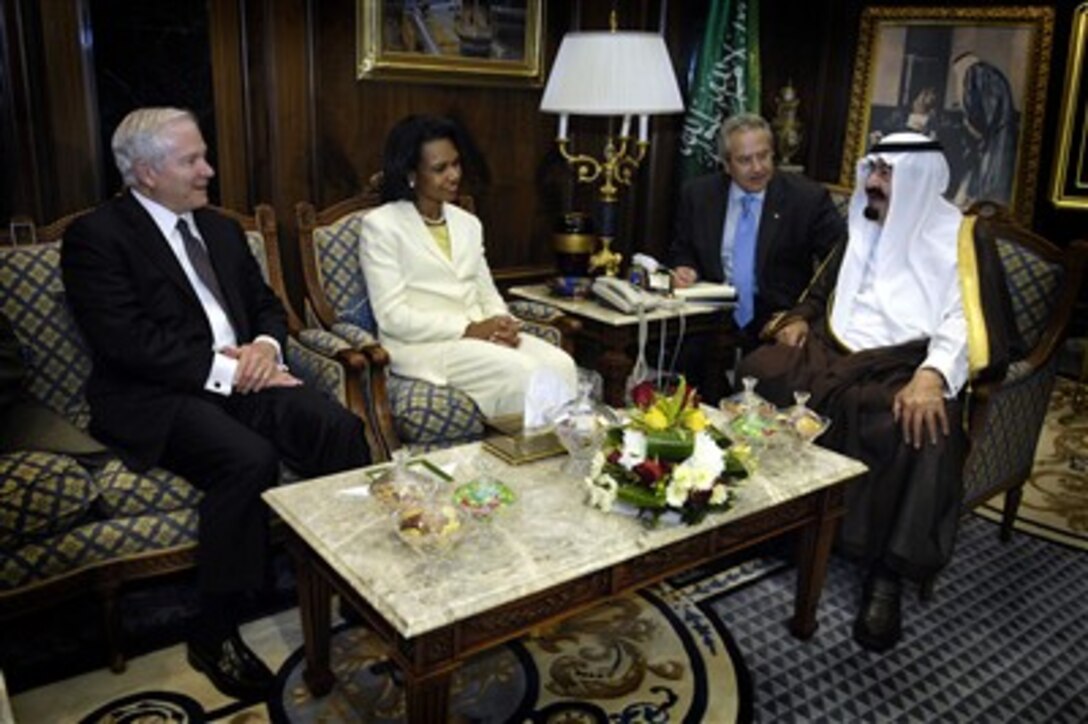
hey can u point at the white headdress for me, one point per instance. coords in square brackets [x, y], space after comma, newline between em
[915, 258]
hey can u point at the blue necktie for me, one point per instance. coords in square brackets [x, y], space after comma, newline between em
[744, 260]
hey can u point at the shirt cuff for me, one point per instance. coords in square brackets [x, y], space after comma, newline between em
[947, 368]
[221, 377]
[275, 343]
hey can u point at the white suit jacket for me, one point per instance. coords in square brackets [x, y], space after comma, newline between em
[422, 300]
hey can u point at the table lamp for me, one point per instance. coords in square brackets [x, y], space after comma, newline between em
[623, 74]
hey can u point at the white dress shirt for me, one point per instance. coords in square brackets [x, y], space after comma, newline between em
[221, 377]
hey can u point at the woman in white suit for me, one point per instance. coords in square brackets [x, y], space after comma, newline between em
[438, 311]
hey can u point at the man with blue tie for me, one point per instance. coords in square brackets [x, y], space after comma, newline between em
[187, 345]
[761, 231]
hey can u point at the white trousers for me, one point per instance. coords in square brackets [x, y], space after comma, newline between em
[498, 378]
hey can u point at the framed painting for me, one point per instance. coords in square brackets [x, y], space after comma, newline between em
[1069, 189]
[973, 78]
[496, 42]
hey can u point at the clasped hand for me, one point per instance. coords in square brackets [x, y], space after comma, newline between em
[684, 276]
[500, 329]
[258, 368]
[793, 333]
[919, 408]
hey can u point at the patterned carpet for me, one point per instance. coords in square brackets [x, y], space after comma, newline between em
[1004, 640]
[1055, 502]
[650, 657]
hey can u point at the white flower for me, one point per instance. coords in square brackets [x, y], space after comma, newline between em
[634, 448]
[676, 492]
[707, 455]
[694, 477]
[602, 492]
[718, 494]
[703, 468]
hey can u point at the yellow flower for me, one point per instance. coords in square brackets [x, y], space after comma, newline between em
[655, 419]
[694, 420]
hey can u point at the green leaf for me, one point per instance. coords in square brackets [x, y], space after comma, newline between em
[735, 468]
[670, 445]
[640, 496]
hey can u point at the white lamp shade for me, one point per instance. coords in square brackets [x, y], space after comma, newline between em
[612, 74]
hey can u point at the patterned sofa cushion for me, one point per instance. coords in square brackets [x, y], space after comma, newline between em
[429, 416]
[122, 492]
[41, 494]
[337, 248]
[32, 297]
[95, 543]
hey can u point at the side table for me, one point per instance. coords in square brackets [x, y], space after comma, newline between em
[608, 339]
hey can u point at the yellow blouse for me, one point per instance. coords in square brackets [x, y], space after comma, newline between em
[441, 234]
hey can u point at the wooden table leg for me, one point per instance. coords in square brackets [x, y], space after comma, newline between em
[314, 601]
[428, 697]
[813, 553]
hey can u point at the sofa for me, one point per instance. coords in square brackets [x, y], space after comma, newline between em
[74, 521]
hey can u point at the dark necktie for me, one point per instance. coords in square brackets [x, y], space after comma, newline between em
[202, 263]
[744, 260]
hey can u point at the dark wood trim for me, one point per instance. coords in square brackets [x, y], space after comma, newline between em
[287, 81]
[72, 105]
[230, 80]
[21, 145]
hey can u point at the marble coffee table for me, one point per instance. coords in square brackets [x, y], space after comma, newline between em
[544, 557]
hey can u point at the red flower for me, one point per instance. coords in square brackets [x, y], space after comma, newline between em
[614, 457]
[642, 395]
[650, 471]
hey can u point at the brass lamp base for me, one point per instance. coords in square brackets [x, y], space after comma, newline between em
[605, 259]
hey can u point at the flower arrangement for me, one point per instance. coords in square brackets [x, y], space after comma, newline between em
[667, 457]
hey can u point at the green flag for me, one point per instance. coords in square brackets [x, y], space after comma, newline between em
[726, 81]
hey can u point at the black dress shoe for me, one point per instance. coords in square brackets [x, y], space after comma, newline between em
[878, 626]
[232, 667]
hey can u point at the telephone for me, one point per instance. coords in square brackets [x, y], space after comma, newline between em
[624, 295]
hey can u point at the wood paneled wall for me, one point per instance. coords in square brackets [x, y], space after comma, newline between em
[293, 123]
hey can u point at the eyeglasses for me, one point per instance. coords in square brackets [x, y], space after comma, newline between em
[877, 166]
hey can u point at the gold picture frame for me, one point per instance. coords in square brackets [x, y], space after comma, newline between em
[477, 42]
[973, 77]
[1069, 188]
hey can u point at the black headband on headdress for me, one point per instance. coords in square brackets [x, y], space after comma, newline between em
[884, 147]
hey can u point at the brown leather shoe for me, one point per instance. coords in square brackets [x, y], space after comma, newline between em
[878, 626]
[232, 667]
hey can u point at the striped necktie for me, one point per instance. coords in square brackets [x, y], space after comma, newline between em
[202, 263]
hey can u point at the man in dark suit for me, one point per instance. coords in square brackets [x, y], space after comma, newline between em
[761, 231]
[187, 340]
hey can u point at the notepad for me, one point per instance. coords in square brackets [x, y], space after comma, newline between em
[707, 292]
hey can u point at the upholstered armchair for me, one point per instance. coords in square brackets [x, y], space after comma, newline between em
[408, 411]
[79, 522]
[1006, 416]
[315, 355]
